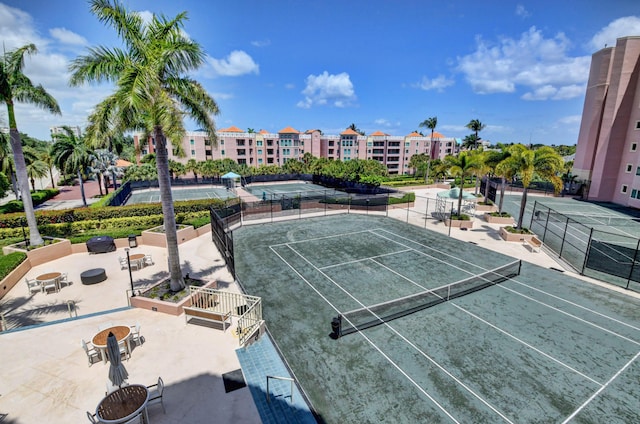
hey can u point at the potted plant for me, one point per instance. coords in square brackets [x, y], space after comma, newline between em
[495, 217]
[461, 221]
[511, 233]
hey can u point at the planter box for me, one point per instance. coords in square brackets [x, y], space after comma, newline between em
[154, 238]
[14, 277]
[458, 223]
[43, 254]
[498, 219]
[171, 308]
[486, 208]
[507, 236]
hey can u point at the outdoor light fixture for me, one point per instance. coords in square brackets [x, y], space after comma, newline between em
[133, 293]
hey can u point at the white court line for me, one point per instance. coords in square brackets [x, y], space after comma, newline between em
[410, 343]
[369, 258]
[495, 327]
[321, 238]
[384, 355]
[593, 396]
[541, 291]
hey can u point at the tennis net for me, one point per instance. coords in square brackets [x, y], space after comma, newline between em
[367, 317]
[586, 219]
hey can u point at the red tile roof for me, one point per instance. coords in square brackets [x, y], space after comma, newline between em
[288, 130]
[232, 129]
[349, 131]
[378, 133]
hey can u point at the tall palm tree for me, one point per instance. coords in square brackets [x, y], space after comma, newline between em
[71, 154]
[476, 126]
[48, 159]
[543, 162]
[463, 166]
[152, 93]
[15, 86]
[430, 123]
[192, 166]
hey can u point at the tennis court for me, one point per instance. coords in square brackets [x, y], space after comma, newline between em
[275, 190]
[191, 193]
[538, 347]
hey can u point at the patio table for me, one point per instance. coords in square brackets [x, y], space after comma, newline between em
[138, 259]
[122, 332]
[123, 404]
[48, 278]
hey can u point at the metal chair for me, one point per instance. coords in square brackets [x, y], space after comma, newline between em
[50, 285]
[64, 279]
[155, 394]
[92, 418]
[33, 286]
[135, 420]
[91, 351]
[148, 260]
[123, 262]
[136, 338]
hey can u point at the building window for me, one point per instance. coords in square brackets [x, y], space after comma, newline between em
[259, 151]
[192, 142]
[222, 152]
[630, 167]
[259, 143]
[634, 147]
[193, 152]
[624, 188]
[634, 193]
[638, 125]
[222, 142]
[638, 170]
[260, 161]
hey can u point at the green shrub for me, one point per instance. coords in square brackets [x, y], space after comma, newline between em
[514, 230]
[408, 197]
[38, 197]
[461, 217]
[10, 262]
[500, 214]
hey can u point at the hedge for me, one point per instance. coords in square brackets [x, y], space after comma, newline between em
[16, 220]
[10, 262]
[38, 197]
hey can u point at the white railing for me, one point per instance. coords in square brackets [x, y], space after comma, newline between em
[291, 380]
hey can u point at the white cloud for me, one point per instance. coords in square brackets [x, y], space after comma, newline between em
[65, 36]
[541, 65]
[328, 89]
[261, 43]
[621, 27]
[438, 83]
[237, 63]
[17, 28]
[522, 12]
[571, 120]
[290, 86]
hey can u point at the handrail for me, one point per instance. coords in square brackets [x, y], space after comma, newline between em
[71, 306]
[279, 378]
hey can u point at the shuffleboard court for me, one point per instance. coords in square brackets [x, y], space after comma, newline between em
[178, 194]
[538, 347]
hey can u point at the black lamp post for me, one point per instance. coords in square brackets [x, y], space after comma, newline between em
[133, 293]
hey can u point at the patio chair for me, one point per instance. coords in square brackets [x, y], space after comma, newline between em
[123, 262]
[136, 338]
[122, 344]
[135, 420]
[50, 286]
[33, 286]
[148, 260]
[91, 351]
[155, 394]
[64, 279]
[92, 418]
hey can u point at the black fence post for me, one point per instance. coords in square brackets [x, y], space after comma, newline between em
[633, 264]
[564, 236]
[586, 255]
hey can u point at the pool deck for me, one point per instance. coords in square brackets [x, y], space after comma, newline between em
[45, 375]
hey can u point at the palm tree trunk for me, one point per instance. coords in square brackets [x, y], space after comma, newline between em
[477, 184]
[164, 183]
[84, 199]
[460, 202]
[105, 182]
[523, 204]
[23, 183]
[113, 174]
[33, 184]
[100, 183]
[502, 187]
[53, 184]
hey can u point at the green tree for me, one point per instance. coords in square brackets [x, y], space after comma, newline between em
[356, 129]
[544, 163]
[152, 92]
[16, 86]
[461, 166]
[71, 154]
[4, 185]
[476, 126]
[6, 162]
[430, 123]
[192, 166]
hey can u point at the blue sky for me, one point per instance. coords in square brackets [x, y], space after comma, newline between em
[519, 67]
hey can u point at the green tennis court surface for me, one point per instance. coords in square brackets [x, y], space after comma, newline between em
[296, 188]
[540, 347]
[153, 195]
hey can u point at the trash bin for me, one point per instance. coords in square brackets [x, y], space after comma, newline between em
[133, 240]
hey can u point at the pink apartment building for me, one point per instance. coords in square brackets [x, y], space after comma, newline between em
[264, 148]
[608, 154]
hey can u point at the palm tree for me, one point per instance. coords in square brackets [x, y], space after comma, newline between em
[476, 126]
[6, 162]
[14, 85]
[356, 129]
[192, 166]
[48, 159]
[36, 169]
[103, 164]
[152, 93]
[527, 163]
[430, 123]
[463, 166]
[71, 154]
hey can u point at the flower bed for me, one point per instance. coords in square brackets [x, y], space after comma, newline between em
[494, 219]
[519, 236]
[459, 223]
[151, 298]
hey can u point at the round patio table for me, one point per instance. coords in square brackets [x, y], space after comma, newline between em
[48, 278]
[138, 258]
[123, 404]
[122, 332]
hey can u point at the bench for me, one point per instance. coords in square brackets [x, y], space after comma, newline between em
[223, 318]
[534, 243]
